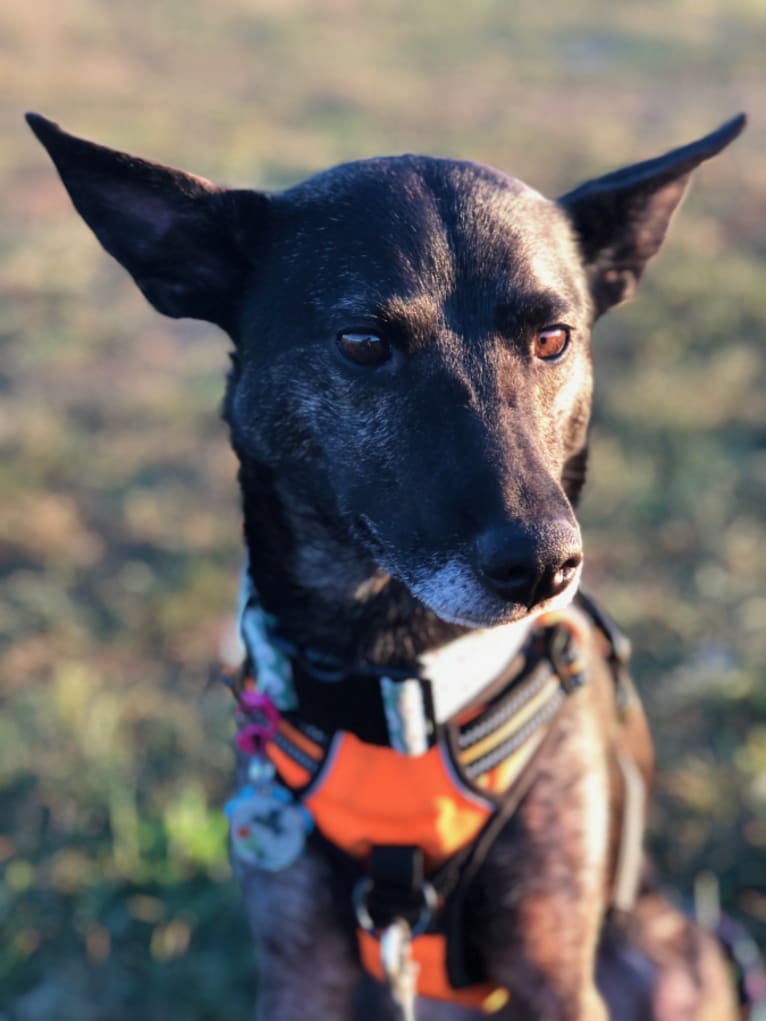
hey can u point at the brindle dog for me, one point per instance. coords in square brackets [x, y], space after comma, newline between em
[409, 401]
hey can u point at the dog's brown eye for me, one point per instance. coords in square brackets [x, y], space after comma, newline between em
[551, 343]
[362, 347]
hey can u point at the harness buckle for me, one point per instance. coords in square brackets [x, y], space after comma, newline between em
[565, 653]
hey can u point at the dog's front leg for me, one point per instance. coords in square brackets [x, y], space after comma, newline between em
[307, 964]
[552, 974]
[539, 993]
[537, 906]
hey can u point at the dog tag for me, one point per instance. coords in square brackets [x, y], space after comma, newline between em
[400, 969]
[268, 829]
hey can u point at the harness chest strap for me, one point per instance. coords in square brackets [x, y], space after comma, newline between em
[439, 951]
[362, 795]
[440, 799]
[446, 800]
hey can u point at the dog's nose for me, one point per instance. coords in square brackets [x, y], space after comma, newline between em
[528, 565]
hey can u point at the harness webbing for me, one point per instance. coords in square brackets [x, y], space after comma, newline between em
[386, 781]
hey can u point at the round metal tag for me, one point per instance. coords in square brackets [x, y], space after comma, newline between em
[267, 829]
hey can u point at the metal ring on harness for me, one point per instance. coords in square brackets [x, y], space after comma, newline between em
[364, 888]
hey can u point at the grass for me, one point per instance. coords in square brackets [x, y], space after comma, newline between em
[119, 519]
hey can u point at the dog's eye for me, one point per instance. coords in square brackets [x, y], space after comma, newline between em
[363, 347]
[551, 343]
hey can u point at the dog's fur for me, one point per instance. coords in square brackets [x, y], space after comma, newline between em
[389, 507]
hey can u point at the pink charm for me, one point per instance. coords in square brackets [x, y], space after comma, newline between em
[264, 722]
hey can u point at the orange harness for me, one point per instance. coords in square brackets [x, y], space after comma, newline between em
[365, 796]
[437, 806]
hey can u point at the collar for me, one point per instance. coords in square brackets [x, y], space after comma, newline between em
[404, 708]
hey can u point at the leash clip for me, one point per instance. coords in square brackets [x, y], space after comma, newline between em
[399, 967]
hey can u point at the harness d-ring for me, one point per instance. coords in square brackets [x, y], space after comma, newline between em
[364, 888]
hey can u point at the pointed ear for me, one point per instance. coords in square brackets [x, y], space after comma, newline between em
[182, 239]
[621, 219]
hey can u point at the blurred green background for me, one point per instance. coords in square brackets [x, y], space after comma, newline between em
[119, 522]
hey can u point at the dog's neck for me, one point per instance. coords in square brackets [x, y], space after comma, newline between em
[310, 577]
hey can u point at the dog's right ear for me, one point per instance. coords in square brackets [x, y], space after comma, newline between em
[180, 237]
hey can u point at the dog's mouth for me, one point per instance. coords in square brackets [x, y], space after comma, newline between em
[457, 596]
[458, 593]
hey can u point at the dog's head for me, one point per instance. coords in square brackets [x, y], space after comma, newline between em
[412, 343]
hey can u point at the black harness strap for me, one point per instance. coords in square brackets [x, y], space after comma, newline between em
[618, 649]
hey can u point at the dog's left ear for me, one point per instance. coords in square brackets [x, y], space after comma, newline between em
[187, 243]
[621, 219]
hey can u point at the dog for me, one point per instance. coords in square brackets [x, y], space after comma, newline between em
[409, 402]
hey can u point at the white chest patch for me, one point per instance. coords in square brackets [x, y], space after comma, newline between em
[461, 670]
